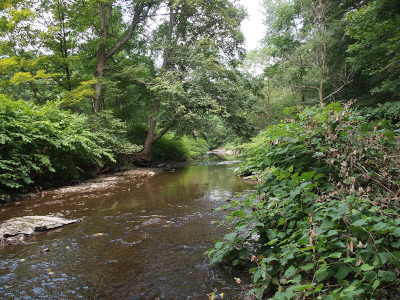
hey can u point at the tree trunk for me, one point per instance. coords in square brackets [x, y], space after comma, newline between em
[105, 14]
[145, 156]
[101, 64]
[103, 55]
[320, 12]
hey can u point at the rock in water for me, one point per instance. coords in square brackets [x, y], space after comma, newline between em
[151, 221]
[16, 230]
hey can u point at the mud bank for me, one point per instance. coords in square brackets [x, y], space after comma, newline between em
[102, 182]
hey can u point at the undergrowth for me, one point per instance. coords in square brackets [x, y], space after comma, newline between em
[170, 147]
[324, 223]
[44, 145]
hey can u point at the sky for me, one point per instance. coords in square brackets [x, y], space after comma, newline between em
[252, 26]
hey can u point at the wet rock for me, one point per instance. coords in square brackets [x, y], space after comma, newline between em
[113, 261]
[151, 221]
[15, 230]
[252, 178]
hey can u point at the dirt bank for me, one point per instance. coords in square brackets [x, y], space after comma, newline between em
[99, 183]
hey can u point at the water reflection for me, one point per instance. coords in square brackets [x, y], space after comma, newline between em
[142, 239]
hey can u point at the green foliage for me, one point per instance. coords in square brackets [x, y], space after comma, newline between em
[376, 31]
[389, 111]
[170, 147]
[195, 147]
[44, 145]
[334, 52]
[324, 222]
[175, 148]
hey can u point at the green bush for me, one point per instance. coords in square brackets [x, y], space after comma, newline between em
[42, 145]
[325, 222]
[178, 148]
[389, 111]
[170, 147]
[195, 147]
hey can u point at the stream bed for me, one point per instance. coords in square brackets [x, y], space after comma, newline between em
[139, 239]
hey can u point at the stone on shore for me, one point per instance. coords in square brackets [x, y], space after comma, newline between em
[15, 230]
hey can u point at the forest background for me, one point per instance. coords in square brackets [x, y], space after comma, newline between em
[91, 86]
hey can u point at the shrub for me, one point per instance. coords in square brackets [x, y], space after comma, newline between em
[325, 222]
[41, 145]
[195, 147]
[389, 111]
[171, 147]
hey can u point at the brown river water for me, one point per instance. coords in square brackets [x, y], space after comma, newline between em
[139, 239]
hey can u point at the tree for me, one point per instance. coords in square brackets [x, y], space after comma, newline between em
[42, 49]
[20, 68]
[318, 44]
[375, 29]
[109, 45]
[306, 38]
[180, 69]
[198, 44]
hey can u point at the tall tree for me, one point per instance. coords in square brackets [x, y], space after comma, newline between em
[198, 43]
[42, 48]
[375, 52]
[307, 36]
[109, 45]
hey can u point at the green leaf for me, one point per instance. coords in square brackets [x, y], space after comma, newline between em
[335, 255]
[384, 257]
[376, 284]
[342, 272]
[304, 287]
[321, 273]
[307, 267]
[318, 288]
[349, 259]
[332, 232]
[359, 222]
[257, 275]
[366, 267]
[388, 276]
[219, 245]
[290, 271]
[396, 232]
[272, 242]
[396, 244]
[343, 208]
[231, 236]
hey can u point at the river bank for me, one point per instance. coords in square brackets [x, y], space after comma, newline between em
[98, 183]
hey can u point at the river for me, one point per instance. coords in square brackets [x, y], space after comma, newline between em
[141, 239]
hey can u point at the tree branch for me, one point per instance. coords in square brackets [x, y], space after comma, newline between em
[337, 90]
[139, 9]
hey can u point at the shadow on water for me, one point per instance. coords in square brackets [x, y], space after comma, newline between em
[142, 239]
